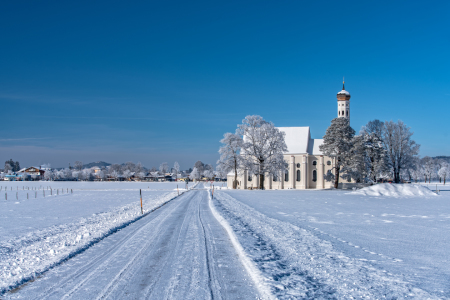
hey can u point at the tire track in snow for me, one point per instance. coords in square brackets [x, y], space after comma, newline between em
[180, 252]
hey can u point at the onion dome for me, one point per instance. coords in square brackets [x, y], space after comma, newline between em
[343, 95]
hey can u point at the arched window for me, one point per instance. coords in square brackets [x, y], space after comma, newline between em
[329, 162]
[298, 175]
[298, 165]
[342, 113]
[314, 163]
[286, 176]
[249, 177]
[314, 176]
[275, 177]
[339, 112]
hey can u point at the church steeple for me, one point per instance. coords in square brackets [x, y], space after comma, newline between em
[343, 98]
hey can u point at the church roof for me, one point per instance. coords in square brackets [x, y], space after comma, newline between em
[299, 141]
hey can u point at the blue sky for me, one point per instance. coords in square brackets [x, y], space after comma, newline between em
[156, 81]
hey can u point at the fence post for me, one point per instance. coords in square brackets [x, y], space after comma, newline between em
[142, 210]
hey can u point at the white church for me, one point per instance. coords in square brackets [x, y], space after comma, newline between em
[307, 164]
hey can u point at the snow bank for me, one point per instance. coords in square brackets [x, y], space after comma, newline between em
[394, 190]
[25, 257]
[297, 264]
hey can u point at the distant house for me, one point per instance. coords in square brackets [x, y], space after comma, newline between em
[33, 173]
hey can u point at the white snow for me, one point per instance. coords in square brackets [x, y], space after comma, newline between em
[335, 244]
[39, 233]
[395, 190]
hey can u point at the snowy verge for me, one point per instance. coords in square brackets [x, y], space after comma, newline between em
[250, 267]
[394, 190]
[26, 257]
[298, 264]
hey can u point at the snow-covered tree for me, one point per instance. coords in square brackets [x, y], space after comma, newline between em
[358, 165]
[439, 163]
[127, 174]
[444, 171]
[48, 175]
[8, 169]
[101, 175]
[401, 150]
[208, 174]
[200, 167]
[262, 148]
[195, 174]
[87, 174]
[337, 143]
[375, 153]
[163, 168]
[220, 173]
[176, 167]
[428, 167]
[230, 160]
[140, 175]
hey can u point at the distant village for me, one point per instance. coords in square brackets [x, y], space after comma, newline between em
[102, 171]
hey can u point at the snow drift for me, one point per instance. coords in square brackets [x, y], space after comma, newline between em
[394, 190]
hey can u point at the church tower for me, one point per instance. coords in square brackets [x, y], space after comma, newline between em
[343, 98]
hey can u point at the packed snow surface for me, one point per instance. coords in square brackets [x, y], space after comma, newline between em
[330, 244]
[179, 251]
[395, 190]
[44, 223]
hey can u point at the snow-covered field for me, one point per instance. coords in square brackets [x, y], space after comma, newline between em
[383, 242]
[386, 241]
[40, 232]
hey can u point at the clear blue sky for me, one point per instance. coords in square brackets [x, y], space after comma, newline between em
[156, 81]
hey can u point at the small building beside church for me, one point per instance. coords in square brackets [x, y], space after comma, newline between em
[307, 165]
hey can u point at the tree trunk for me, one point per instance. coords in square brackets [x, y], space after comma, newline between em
[261, 181]
[235, 180]
[336, 178]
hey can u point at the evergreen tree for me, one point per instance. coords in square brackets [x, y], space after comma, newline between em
[337, 143]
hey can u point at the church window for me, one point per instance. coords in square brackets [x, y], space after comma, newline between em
[249, 177]
[349, 179]
[275, 177]
[286, 176]
[314, 176]
[339, 112]
[329, 163]
[298, 175]
[314, 163]
[342, 113]
[298, 165]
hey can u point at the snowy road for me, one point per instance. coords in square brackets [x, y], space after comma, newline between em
[180, 251]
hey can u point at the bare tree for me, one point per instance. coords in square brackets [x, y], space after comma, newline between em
[230, 160]
[163, 168]
[401, 149]
[262, 148]
[78, 165]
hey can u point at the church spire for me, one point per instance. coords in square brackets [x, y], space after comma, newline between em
[343, 83]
